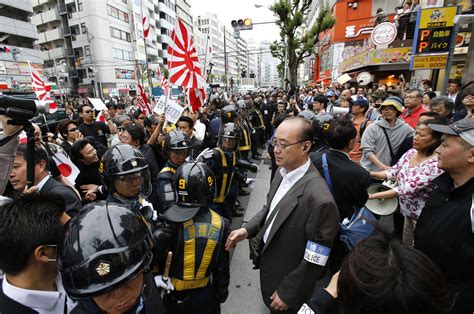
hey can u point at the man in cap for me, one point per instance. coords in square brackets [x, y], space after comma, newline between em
[382, 139]
[445, 228]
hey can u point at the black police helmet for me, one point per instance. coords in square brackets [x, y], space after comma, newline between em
[321, 126]
[176, 140]
[242, 104]
[308, 115]
[229, 113]
[122, 160]
[194, 184]
[104, 246]
[230, 131]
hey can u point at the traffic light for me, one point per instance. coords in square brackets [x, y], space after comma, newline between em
[242, 24]
[5, 49]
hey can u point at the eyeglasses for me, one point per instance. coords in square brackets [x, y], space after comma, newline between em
[73, 130]
[120, 129]
[277, 144]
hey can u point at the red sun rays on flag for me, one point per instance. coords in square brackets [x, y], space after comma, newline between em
[183, 62]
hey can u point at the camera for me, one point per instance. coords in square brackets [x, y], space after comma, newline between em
[21, 109]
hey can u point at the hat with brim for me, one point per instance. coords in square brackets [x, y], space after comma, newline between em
[394, 101]
[463, 128]
[177, 213]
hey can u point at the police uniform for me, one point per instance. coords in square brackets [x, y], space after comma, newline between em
[200, 268]
[245, 141]
[223, 164]
[165, 186]
[199, 253]
[258, 130]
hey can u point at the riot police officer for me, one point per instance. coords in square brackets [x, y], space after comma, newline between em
[215, 104]
[200, 268]
[124, 171]
[177, 147]
[258, 128]
[223, 161]
[228, 114]
[104, 261]
[321, 124]
[245, 142]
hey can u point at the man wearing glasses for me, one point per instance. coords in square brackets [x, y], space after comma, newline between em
[413, 107]
[297, 227]
[97, 129]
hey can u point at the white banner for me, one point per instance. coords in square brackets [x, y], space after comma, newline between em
[97, 103]
[173, 110]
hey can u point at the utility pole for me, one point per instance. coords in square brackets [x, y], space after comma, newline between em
[225, 60]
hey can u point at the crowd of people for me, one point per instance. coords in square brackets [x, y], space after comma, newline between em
[145, 225]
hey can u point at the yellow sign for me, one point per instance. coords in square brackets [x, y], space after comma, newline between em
[390, 55]
[439, 17]
[429, 62]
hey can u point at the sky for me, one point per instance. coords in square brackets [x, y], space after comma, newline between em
[228, 10]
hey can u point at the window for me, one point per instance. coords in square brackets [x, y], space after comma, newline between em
[118, 14]
[119, 34]
[83, 28]
[124, 1]
[80, 5]
[87, 50]
[122, 54]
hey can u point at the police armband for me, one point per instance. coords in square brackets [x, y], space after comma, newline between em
[316, 253]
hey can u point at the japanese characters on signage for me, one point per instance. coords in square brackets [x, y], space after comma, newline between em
[429, 62]
[434, 31]
[384, 34]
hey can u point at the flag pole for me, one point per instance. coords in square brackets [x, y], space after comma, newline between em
[205, 57]
[146, 53]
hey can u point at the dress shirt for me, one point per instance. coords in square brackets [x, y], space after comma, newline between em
[289, 179]
[42, 183]
[453, 96]
[44, 302]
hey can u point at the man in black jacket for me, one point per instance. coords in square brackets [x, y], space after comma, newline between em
[30, 229]
[349, 181]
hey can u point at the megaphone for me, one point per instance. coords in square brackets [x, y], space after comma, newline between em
[381, 206]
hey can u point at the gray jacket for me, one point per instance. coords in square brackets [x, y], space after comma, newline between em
[374, 141]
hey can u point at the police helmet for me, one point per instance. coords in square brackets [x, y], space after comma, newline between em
[321, 126]
[229, 131]
[308, 115]
[176, 140]
[242, 104]
[215, 100]
[229, 113]
[122, 162]
[194, 184]
[105, 246]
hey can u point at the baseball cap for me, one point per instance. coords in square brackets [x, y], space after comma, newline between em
[330, 93]
[463, 128]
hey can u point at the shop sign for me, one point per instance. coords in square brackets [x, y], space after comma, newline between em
[390, 56]
[429, 62]
[384, 34]
[434, 30]
[353, 32]
[124, 74]
[364, 78]
[428, 4]
[355, 62]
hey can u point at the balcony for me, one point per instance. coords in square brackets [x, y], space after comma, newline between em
[17, 27]
[62, 9]
[66, 31]
[46, 17]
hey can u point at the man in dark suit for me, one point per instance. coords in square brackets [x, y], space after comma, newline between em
[43, 181]
[349, 180]
[303, 222]
[454, 93]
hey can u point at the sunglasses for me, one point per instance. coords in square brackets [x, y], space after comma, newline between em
[73, 130]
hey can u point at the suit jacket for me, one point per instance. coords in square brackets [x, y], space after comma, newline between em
[349, 180]
[308, 214]
[72, 202]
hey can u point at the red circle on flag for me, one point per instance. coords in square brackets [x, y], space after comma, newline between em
[65, 170]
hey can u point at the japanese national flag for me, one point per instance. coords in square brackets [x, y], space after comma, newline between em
[67, 168]
[100, 117]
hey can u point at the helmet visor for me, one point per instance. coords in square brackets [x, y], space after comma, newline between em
[133, 184]
[228, 143]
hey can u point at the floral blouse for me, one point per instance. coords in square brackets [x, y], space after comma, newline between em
[413, 182]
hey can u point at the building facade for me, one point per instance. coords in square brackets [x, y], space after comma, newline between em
[17, 40]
